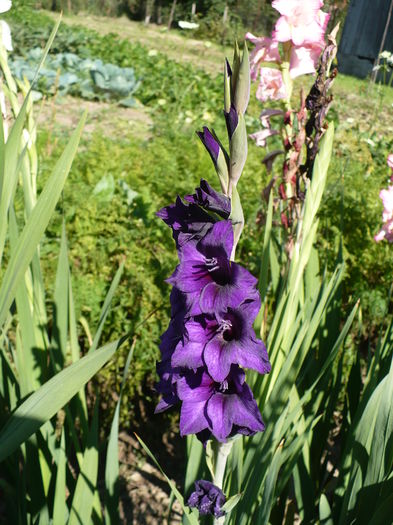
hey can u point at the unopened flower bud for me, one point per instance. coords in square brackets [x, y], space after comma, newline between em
[242, 92]
[217, 154]
[238, 151]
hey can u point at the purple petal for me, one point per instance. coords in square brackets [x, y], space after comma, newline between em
[251, 353]
[210, 143]
[166, 386]
[192, 417]
[188, 221]
[221, 235]
[217, 359]
[192, 274]
[249, 308]
[231, 120]
[189, 352]
[219, 416]
[245, 410]
[195, 386]
[242, 286]
[207, 498]
[210, 199]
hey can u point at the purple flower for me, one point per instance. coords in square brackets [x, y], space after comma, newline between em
[208, 277]
[166, 386]
[188, 221]
[207, 498]
[224, 408]
[175, 330]
[220, 341]
[210, 199]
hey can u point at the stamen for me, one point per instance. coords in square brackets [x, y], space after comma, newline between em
[225, 325]
[212, 264]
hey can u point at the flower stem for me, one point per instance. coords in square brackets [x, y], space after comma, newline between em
[222, 453]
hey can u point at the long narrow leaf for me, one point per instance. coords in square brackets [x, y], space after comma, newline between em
[36, 224]
[188, 515]
[52, 396]
[106, 307]
[112, 455]
[60, 511]
[82, 502]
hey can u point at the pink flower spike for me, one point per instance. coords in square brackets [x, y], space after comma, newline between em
[304, 59]
[390, 161]
[266, 50]
[301, 21]
[271, 85]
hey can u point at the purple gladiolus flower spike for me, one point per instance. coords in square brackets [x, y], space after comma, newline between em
[207, 498]
[207, 276]
[224, 408]
[211, 200]
[214, 302]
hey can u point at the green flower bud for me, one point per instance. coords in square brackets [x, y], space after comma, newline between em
[235, 66]
[227, 87]
[242, 91]
[238, 151]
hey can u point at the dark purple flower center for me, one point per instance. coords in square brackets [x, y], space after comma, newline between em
[227, 387]
[219, 269]
[226, 329]
[230, 327]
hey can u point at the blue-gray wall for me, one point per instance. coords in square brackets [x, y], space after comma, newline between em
[362, 36]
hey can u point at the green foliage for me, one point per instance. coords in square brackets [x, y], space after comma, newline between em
[164, 83]
[351, 214]
[42, 370]
[128, 177]
[67, 73]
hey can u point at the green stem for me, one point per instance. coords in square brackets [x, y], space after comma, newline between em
[223, 451]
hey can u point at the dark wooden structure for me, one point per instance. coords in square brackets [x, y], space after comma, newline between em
[367, 27]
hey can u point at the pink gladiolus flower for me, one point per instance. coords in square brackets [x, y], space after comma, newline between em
[261, 136]
[267, 114]
[271, 85]
[301, 21]
[265, 50]
[304, 59]
[390, 160]
[387, 216]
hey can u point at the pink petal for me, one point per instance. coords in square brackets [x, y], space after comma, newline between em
[282, 30]
[303, 60]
